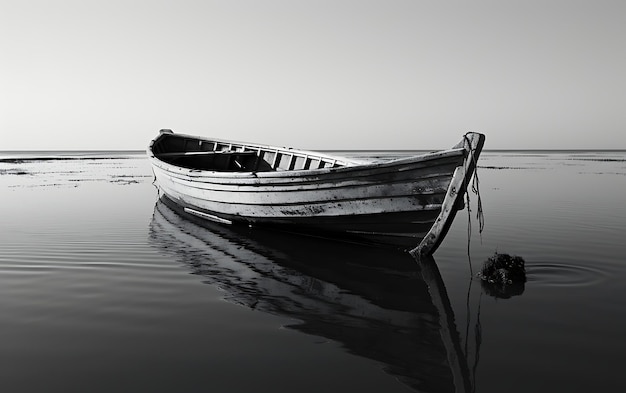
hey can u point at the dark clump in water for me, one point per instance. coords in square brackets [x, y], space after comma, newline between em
[503, 276]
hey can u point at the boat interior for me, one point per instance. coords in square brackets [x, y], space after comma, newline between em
[223, 156]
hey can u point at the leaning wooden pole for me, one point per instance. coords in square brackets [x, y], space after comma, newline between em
[473, 144]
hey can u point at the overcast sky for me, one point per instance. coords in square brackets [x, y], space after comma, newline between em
[338, 74]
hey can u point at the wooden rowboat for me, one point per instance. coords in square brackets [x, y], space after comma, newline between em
[408, 202]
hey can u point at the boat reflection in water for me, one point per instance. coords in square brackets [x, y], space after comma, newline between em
[377, 303]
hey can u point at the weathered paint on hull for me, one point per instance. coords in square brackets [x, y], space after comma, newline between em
[399, 212]
[395, 202]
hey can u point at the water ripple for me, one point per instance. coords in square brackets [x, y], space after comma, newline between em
[565, 275]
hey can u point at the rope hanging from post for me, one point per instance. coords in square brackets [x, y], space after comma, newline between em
[475, 187]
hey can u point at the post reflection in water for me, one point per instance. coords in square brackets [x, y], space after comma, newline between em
[377, 303]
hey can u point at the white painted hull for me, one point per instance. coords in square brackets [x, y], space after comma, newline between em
[394, 202]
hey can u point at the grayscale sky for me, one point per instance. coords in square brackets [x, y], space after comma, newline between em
[336, 74]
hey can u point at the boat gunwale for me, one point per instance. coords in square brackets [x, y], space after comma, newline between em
[355, 165]
[268, 148]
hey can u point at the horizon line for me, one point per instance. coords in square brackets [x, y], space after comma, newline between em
[326, 150]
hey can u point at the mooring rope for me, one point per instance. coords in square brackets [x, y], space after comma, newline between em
[475, 183]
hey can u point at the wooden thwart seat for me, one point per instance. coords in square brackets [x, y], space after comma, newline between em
[259, 160]
[208, 153]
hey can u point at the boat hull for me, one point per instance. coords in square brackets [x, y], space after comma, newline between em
[396, 202]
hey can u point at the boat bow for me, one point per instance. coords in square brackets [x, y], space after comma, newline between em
[472, 143]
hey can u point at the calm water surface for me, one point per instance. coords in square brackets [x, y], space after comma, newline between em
[103, 287]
